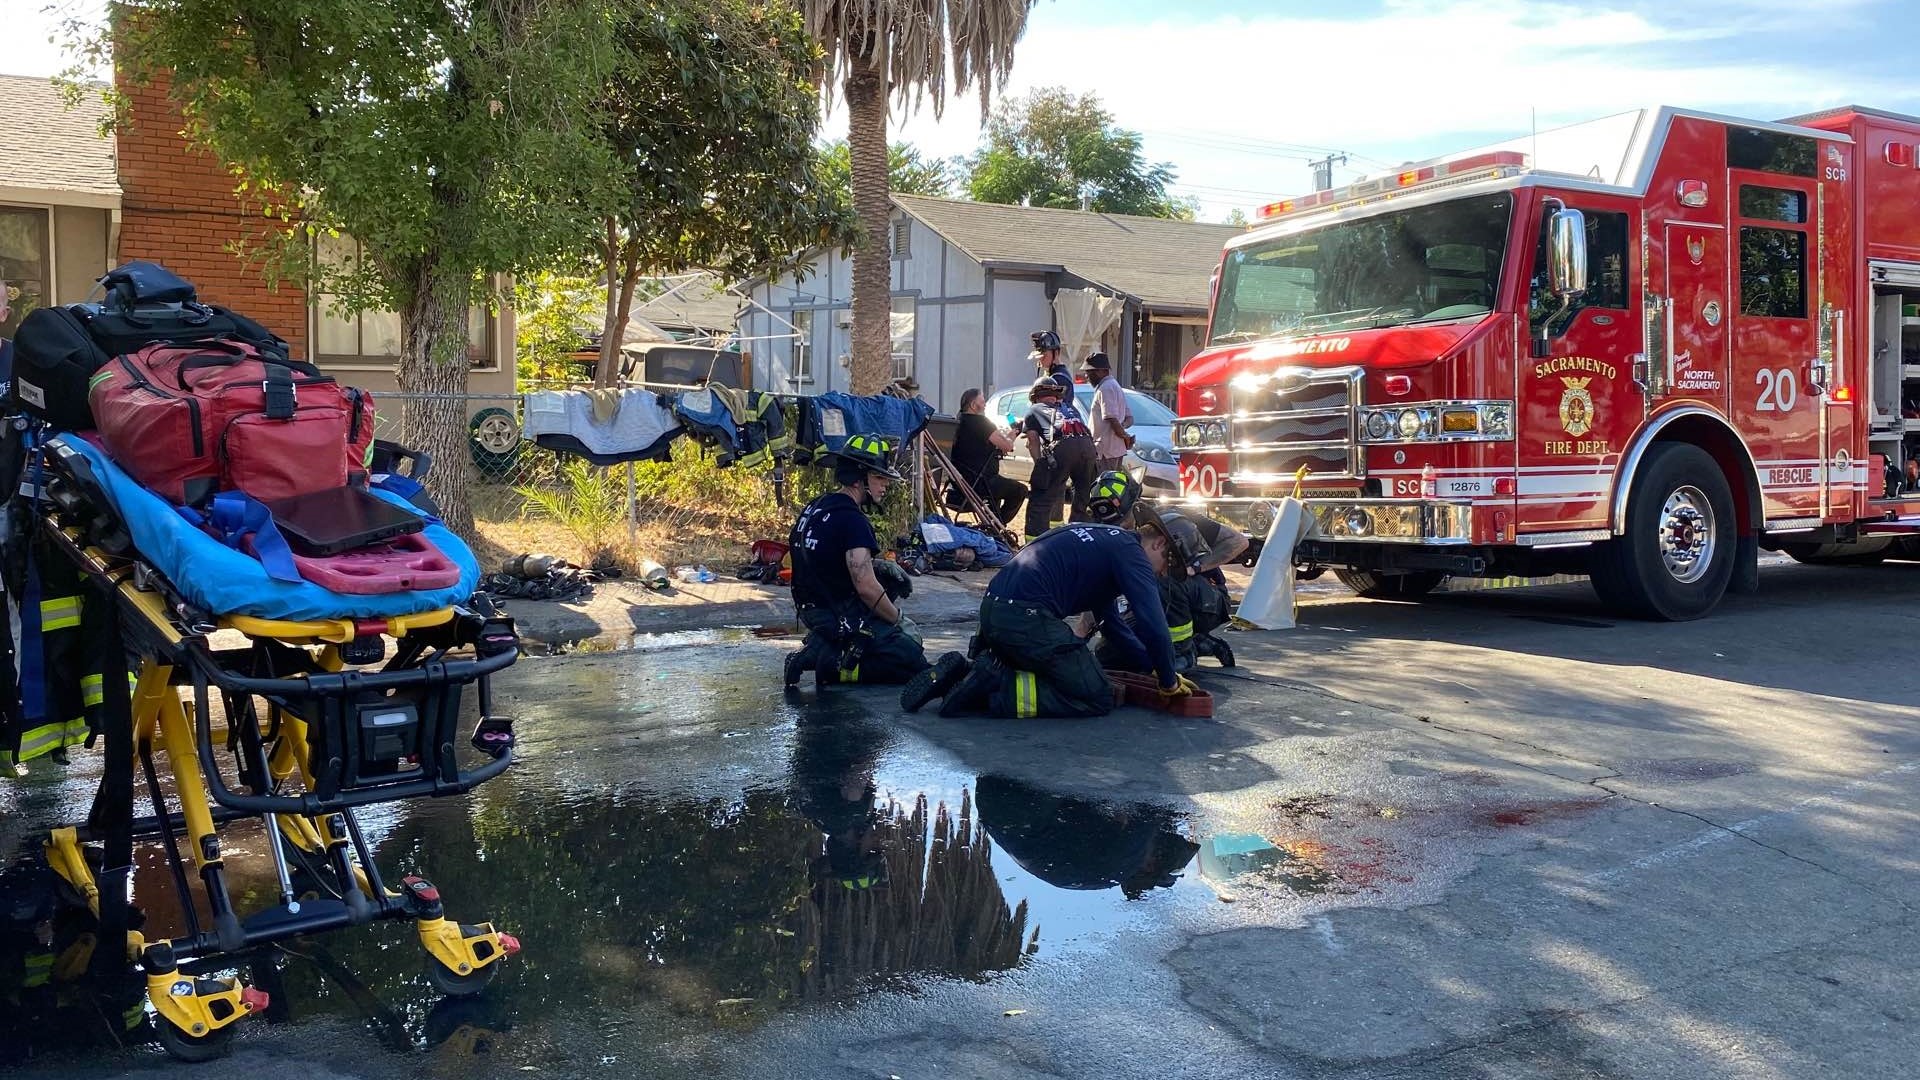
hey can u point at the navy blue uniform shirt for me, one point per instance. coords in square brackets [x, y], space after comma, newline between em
[1088, 567]
[1055, 422]
[826, 530]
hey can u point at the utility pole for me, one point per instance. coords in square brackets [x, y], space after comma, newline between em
[1323, 171]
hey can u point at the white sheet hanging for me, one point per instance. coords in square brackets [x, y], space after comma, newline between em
[1084, 316]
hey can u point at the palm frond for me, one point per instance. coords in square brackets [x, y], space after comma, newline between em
[921, 47]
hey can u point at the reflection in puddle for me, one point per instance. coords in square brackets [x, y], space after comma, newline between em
[662, 887]
[1073, 843]
[1242, 858]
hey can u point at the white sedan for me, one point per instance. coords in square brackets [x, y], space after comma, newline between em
[1152, 429]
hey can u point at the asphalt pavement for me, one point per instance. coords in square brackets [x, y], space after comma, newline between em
[1492, 835]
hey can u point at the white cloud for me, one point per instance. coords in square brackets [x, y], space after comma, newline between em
[1423, 77]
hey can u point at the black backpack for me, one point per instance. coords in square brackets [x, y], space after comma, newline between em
[57, 350]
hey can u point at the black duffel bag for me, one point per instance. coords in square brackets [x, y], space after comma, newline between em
[57, 350]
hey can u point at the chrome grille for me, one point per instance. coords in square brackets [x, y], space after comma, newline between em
[1295, 417]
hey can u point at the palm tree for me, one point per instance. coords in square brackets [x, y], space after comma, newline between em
[906, 47]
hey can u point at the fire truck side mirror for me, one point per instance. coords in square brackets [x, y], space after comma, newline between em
[1567, 253]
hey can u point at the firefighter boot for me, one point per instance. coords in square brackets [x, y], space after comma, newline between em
[808, 657]
[1208, 645]
[974, 690]
[935, 682]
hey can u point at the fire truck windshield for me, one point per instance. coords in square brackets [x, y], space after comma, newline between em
[1426, 263]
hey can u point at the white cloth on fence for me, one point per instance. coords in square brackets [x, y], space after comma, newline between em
[642, 419]
[1269, 604]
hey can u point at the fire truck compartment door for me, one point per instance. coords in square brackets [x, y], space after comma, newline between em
[1777, 407]
[1697, 314]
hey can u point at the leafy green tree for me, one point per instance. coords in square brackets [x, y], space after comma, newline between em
[1236, 216]
[711, 116]
[454, 141]
[905, 47]
[1056, 148]
[908, 172]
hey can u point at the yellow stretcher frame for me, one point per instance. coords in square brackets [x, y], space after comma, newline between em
[195, 1013]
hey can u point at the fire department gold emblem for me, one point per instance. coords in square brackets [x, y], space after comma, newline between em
[1576, 406]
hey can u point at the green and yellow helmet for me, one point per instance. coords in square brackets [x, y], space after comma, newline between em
[1111, 501]
[873, 453]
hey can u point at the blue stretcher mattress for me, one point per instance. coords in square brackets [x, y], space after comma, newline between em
[219, 579]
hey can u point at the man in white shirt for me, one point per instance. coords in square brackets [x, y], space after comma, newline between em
[1110, 414]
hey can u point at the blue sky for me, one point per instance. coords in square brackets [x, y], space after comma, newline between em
[1238, 94]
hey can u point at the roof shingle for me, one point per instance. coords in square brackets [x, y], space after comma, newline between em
[59, 149]
[1163, 263]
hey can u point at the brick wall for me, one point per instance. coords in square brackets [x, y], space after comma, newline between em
[179, 209]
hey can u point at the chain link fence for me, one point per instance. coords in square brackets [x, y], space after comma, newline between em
[506, 471]
[498, 461]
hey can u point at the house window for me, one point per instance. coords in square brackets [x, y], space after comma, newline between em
[903, 239]
[26, 262]
[372, 338]
[902, 334]
[800, 363]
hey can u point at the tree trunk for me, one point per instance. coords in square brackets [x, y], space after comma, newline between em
[872, 273]
[614, 326]
[623, 279]
[433, 375]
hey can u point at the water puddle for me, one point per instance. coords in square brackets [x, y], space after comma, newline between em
[654, 641]
[737, 857]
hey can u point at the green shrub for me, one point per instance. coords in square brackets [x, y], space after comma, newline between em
[589, 502]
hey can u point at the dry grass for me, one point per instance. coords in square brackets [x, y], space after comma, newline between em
[670, 537]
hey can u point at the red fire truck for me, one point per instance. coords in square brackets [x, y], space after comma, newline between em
[1641, 349]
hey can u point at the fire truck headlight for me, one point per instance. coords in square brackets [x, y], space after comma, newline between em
[1409, 424]
[1379, 425]
[1496, 421]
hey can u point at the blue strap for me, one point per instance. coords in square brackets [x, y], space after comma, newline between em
[406, 487]
[234, 516]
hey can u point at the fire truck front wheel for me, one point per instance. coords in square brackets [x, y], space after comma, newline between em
[1676, 557]
[1378, 586]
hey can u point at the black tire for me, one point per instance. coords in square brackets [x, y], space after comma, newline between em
[193, 1049]
[1677, 556]
[1373, 585]
[493, 442]
[453, 984]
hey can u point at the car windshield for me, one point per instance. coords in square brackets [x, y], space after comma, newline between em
[1426, 263]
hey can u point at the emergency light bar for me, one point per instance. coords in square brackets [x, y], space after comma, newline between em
[1497, 163]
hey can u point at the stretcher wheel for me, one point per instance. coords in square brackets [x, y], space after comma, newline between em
[193, 1049]
[453, 984]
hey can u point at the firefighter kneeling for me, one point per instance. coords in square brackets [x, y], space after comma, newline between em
[845, 598]
[1027, 661]
[1193, 592]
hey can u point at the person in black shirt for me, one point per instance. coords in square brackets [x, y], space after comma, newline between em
[977, 449]
[1062, 448]
[854, 629]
